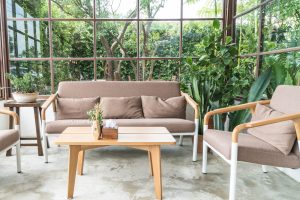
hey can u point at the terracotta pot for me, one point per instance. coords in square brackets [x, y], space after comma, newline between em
[25, 97]
[200, 143]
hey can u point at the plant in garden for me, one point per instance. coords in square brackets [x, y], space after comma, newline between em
[24, 84]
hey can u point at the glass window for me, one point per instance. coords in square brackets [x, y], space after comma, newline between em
[158, 9]
[118, 9]
[72, 8]
[205, 8]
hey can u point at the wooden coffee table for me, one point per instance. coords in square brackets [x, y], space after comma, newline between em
[148, 139]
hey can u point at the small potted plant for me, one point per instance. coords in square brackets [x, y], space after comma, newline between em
[25, 87]
[96, 117]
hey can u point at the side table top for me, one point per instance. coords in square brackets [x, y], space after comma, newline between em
[13, 103]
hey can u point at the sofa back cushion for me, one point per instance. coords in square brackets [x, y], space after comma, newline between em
[286, 99]
[87, 89]
[75, 108]
[121, 107]
[155, 107]
[281, 135]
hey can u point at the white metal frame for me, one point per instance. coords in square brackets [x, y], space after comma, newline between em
[18, 154]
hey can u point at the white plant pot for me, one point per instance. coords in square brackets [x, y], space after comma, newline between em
[25, 97]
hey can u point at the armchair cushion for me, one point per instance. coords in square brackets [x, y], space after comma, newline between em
[251, 149]
[121, 107]
[75, 108]
[155, 107]
[281, 135]
[7, 138]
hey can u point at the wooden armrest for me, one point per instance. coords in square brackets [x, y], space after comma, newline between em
[294, 117]
[13, 114]
[47, 103]
[191, 101]
[251, 106]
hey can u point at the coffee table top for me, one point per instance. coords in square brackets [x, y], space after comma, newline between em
[127, 136]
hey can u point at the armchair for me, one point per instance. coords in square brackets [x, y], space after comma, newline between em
[238, 146]
[10, 138]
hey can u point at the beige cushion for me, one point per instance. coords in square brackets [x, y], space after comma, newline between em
[121, 107]
[7, 138]
[155, 107]
[59, 126]
[84, 89]
[173, 125]
[75, 108]
[286, 99]
[251, 149]
[281, 135]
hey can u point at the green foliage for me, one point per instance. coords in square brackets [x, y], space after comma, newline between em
[26, 84]
[256, 93]
[96, 114]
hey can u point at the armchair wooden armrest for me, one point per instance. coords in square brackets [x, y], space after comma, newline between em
[12, 114]
[294, 117]
[47, 103]
[191, 101]
[251, 106]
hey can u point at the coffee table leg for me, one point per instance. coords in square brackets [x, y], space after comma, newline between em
[80, 162]
[155, 158]
[150, 163]
[73, 158]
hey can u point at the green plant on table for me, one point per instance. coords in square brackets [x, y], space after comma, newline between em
[24, 84]
[96, 114]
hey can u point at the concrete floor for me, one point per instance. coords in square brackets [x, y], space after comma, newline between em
[123, 174]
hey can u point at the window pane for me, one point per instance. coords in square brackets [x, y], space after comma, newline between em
[193, 33]
[116, 39]
[72, 39]
[282, 25]
[28, 39]
[73, 71]
[158, 9]
[72, 8]
[27, 9]
[243, 5]
[159, 39]
[39, 69]
[116, 9]
[159, 69]
[247, 33]
[206, 8]
[117, 70]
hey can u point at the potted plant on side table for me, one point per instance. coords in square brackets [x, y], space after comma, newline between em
[25, 87]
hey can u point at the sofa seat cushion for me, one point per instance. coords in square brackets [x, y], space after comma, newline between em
[172, 124]
[59, 126]
[121, 107]
[7, 138]
[251, 149]
[281, 135]
[75, 108]
[155, 107]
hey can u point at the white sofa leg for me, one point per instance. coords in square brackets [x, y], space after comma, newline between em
[45, 138]
[233, 170]
[18, 151]
[195, 147]
[181, 140]
[264, 168]
[204, 153]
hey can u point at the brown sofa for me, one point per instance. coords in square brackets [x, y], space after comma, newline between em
[155, 103]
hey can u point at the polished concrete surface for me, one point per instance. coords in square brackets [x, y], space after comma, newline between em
[123, 174]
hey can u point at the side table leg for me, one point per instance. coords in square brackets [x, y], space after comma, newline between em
[156, 162]
[150, 163]
[8, 152]
[37, 129]
[80, 162]
[73, 158]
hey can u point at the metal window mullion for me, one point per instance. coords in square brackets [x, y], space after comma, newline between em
[138, 41]
[94, 40]
[252, 9]
[51, 47]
